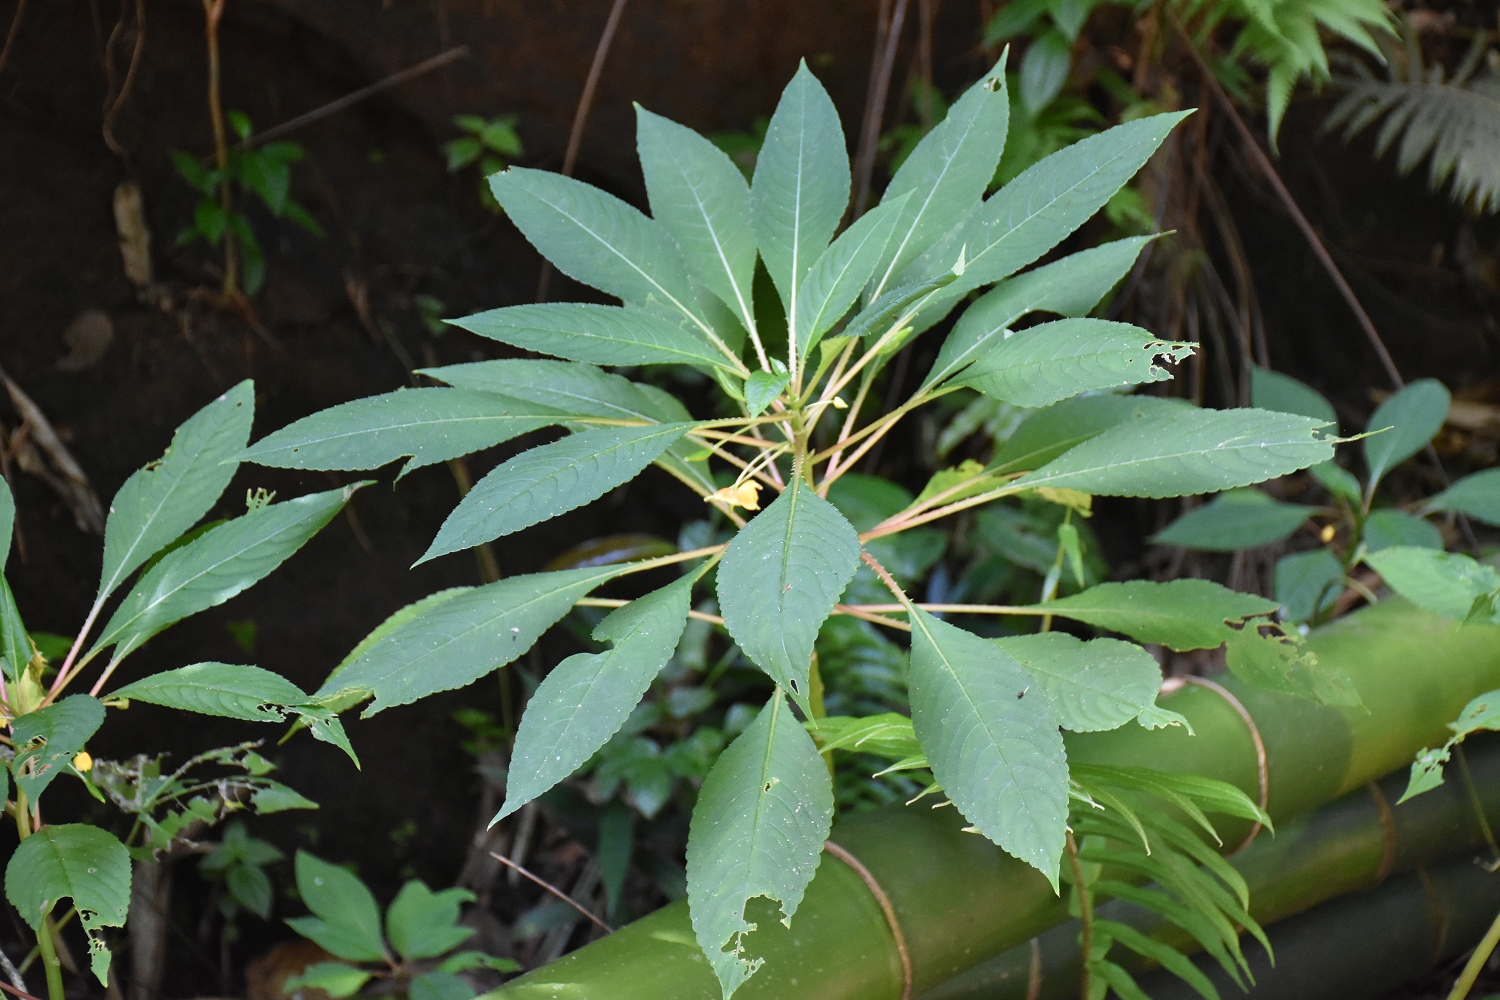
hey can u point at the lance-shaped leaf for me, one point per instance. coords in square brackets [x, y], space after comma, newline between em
[1477, 496]
[167, 497]
[551, 479]
[427, 426]
[1386, 529]
[1069, 287]
[457, 641]
[217, 565]
[47, 739]
[346, 921]
[780, 579]
[1040, 208]
[588, 696]
[1446, 583]
[757, 831]
[1092, 686]
[1405, 422]
[1058, 428]
[7, 522]
[948, 171]
[16, 649]
[1196, 451]
[583, 390]
[992, 743]
[601, 335]
[596, 238]
[1053, 361]
[841, 272]
[1235, 519]
[801, 184]
[701, 197]
[78, 862]
[1179, 614]
[228, 690]
[1274, 391]
[1307, 581]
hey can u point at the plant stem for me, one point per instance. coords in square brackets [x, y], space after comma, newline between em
[1085, 915]
[50, 963]
[213, 10]
[1476, 962]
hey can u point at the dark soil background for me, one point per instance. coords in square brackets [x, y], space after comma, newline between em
[400, 225]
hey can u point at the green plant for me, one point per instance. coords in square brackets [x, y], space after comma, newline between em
[264, 171]
[239, 862]
[802, 381]
[1456, 120]
[179, 571]
[489, 143]
[420, 927]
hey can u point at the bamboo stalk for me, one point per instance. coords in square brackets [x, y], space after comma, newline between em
[960, 900]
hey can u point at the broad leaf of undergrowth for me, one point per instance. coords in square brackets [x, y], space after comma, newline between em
[457, 641]
[800, 186]
[780, 579]
[1477, 496]
[1235, 519]
[167, 497]
[1179, 614]
[600, 335]
[1092, 686]
[1386, 529]
[345, 921]
[47, 739]
[426, 426]
[1306, 582]
[757, 831]
[424, 924]
[217, 565]
[1405, 422]
[1274, 391]
[1069, 287]
[1053, 361]
[585, 699]
[549, 480]
[993, 743]
[1178, 454]
[1447, 583]
[78, 862]
[701, 198]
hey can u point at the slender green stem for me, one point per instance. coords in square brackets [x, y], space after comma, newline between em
[50, 963]
[1476, 962]
[1085, 915]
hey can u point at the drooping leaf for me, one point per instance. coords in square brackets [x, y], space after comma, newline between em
[1179, 614]
[168, 496]
[1235, 519]
[886, 735]
[424, 924]
[1052, 361]
[1414, 416]
[250, 887]
[701, 197]
[550, 479]
[600, 335]
[585, 699]
[1198, 451]
[1283, 394]
[1069, 287]
[1385, 529]
[346, 921]
[47, 739]
[7, 522]
[1170, 958]
[459, 640]
[16, 648]
[1044, 69]
[426, 426]
[993, 746]
[1337, 480]
[218, 565]
[801, 184]
[947, 172]
[78, 862]
[1477, 496]
[780, 578]
[228, 690]
[1091, 686]
[1446, 583]
[596, 238]
[1306, 582]
[757, 831]
[841, 272]
[1058, 428]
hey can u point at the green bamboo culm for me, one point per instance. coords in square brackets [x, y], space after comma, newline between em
[959, 900]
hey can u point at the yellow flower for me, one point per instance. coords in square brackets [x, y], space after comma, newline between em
[746, 495]
[83, 762]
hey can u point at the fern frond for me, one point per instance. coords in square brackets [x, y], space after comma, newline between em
[1456, 126]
